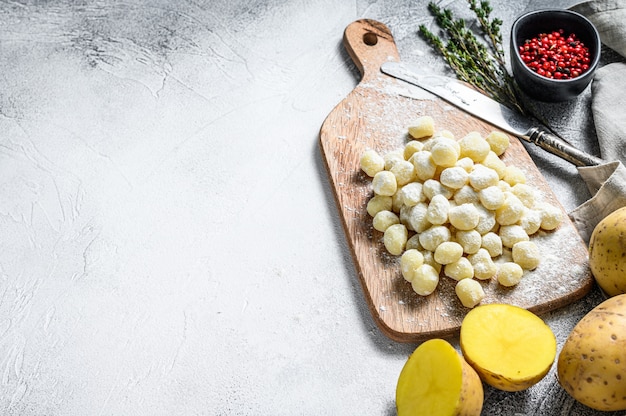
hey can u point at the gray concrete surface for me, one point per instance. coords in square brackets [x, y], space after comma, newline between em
[169, 239]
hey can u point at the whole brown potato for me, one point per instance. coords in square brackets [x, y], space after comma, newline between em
[607, 253]
[592, 364]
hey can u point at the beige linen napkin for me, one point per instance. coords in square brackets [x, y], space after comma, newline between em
[607, 182]
[608, 17]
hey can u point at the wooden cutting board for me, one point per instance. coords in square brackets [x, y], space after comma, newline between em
[376, 115]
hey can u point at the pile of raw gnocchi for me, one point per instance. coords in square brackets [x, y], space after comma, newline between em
[453, 206]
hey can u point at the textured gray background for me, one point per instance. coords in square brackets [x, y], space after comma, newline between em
[170, 244]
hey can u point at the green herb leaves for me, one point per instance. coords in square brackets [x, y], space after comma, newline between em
[479, 63]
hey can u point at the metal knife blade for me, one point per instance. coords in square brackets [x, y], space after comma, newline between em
[475, 103]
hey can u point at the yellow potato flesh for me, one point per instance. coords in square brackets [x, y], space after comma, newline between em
[510, 348]
[436, 381]
[592, 364]
[607, 253]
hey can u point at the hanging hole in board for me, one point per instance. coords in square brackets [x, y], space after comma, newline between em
[370, 39]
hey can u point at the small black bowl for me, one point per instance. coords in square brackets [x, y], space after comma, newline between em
[530, 25]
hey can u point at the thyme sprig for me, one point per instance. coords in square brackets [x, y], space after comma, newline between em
[482, 64]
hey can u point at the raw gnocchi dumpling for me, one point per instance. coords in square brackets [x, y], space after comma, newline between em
[404, 172]
[509, 274]
[411, 147]
[384, 219]
[482, 177]
[484, 266]
[531, 221]
[425, 280]
[421, 127]
[393, 157]
[379, 203]
[514, 175]
[411, 194]
[466, 195]
[431, 238]
[413, 243]
[526, 254]
[410, 261]
[417, 217]
[474, 146]
[498, 141]
[525, 193]
[493, 244]
[464, 217]
[460, 269]
[469, 292]
[512, 234]
[429, 258]
[372, 162]
[424, 165]
[486, 220]
[454, 177]
[448, 252]
[470, 240]
[384, 183]
[491, 197]
[395, 238]
[551, 217]
[466, 163]
[445, 151]
[492, 161]
[433, 187]
[438, 208]
[510, 211]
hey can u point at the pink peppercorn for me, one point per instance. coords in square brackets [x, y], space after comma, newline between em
[556, 56]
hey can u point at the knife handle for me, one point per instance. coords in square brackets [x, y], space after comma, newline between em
[556, 146]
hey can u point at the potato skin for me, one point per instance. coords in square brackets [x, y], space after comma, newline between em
[592, 364]
[503, 383]
[607, 253]
[472, 395]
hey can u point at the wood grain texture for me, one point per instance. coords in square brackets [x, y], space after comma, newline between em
[375, 115]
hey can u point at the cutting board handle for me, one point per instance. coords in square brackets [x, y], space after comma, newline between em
[370, 44]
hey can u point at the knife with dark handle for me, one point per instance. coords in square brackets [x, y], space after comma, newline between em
[473, 102]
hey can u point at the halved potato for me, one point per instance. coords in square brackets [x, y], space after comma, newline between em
[436, 381]
[510, 347]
